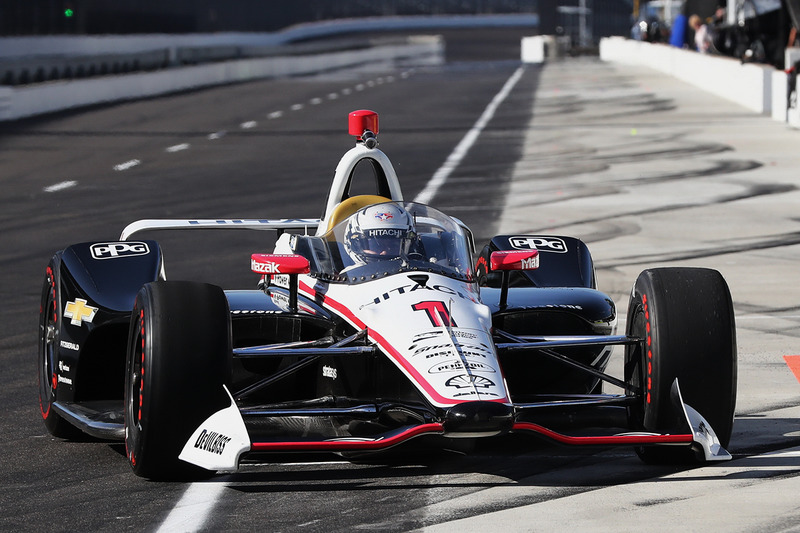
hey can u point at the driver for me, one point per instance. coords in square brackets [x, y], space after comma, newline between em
[379, 232]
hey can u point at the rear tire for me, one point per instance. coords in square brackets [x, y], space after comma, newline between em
[685, 318]
[179, 353]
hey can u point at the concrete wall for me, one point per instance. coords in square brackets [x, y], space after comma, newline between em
[539, 48]
[26, 101]
[747, 84]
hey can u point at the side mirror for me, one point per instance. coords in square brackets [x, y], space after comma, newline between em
[279, 264]
[291, 264]
[515, 260]
[508, 260]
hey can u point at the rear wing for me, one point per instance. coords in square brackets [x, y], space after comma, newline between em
[303, 224]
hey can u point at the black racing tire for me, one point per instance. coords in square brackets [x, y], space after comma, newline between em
[49, 342]
[179, 358]
[685, 319]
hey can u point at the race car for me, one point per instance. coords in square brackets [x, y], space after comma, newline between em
[374, 327]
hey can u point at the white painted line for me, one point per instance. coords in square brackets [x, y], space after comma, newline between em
[315, 101]
[127, 164]
[360, 87]
[296, 107]
[346, 91]
[333, 96]
[249, 124]
[460, 151]
[177, 147]
[192, 510]
[61, 186]
[216, 135]
[275, 114]
[766, 317]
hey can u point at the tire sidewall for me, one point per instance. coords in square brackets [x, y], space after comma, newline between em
[185, 359]
[685, 318]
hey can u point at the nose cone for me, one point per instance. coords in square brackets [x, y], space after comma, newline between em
[477, 419]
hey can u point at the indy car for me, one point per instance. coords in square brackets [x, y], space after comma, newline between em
[374, 326]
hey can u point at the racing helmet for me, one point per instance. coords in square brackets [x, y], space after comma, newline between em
[379, 232]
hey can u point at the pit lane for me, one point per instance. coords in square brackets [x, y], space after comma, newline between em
[646, 170]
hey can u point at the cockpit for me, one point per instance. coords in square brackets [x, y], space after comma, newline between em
[387, 238]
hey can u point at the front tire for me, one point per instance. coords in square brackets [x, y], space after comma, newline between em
[685, 319]
[49, 342]
[179, 353]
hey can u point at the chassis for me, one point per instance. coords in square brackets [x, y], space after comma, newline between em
[194, 378]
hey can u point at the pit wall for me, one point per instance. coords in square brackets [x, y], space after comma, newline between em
[759, 88]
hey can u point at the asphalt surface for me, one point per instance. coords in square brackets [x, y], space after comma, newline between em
[648, 171]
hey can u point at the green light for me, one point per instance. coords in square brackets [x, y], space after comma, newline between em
[69, 12]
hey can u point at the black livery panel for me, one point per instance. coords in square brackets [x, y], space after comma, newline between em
[97, 284]
[558, 298]
[563, 262]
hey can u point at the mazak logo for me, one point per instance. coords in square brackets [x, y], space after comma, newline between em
[530, 264]
[113, 250]
[543, 244]
[266, 267]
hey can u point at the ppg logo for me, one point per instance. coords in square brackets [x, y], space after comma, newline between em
[113, 250]
[543, 244]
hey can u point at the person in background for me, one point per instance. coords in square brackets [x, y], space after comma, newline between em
[702, 38]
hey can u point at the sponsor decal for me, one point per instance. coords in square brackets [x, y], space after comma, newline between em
[427, 335]
[265, 267]
[285, 221]
[473, 393]
[556, 306]
[212, 442]
[114, 250]
[281, 280]
[69, 346]
[465, 381]
[445, 350]
[63, 367]
[437, 313]
[543, 244]
[329, 372]
[433, 334]
[390, 232]
[416, 287]
[530, 264]
[79, 312]
[384, 216]
[459, 366]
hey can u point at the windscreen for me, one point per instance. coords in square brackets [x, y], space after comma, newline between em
[388, 238]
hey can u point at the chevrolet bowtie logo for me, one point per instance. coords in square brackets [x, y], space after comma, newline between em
[78, 311]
